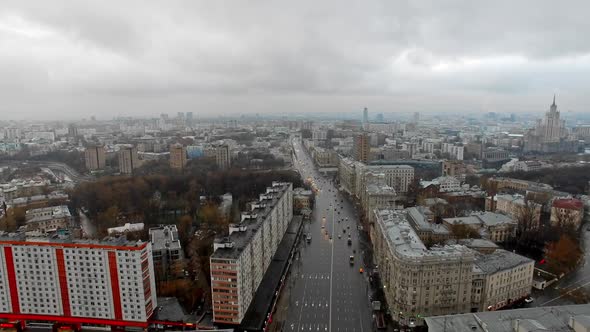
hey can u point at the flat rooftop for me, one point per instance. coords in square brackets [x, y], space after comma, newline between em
[58, 240]
[529, 319]
[402, 238]
[416, 214]
[164, 237]
[241, 239]
[500, 260]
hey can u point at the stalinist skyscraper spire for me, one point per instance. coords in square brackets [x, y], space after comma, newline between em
[550, 134]
[553, 127]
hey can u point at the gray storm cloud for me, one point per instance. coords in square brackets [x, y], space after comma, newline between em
[76, 58]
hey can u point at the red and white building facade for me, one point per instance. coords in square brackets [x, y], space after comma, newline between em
[81, 283]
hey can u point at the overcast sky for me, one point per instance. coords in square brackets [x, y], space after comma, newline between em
[72, 59]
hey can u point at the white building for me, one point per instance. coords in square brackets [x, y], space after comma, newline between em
[444, 184]
[455, 151]
[240, 260]
[110, 283]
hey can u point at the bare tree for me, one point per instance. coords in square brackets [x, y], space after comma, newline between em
[527, 218]
[563, 221]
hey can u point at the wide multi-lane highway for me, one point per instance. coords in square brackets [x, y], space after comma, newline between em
[326, 291]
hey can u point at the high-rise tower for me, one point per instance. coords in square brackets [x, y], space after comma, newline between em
[365, 116]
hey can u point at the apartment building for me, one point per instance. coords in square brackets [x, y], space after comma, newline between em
[128, 159]
[455, 152]
[347, 174]
[361, 148]
[418, 281]
[496, 227]
[378, 196]
[110, 283]
[324, 157]
[48, 219]
[166, 247]
[455, 168]
[240, 260]
[178, 156]
[422, 220]
[499, 279]
[223, 156]
[567, 211]
[302, 199]
[516, 184]
[443, 184]
[399, 177]
[94, 157]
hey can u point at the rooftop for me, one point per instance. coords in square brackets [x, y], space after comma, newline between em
[478, 243]
[568, 203]
[486, 218]
[417, 215]
[47, 213]
[500, 260]
[57, 240]
[529, 319]
[404, 242]
[164, 237]
[241, 234]
[375, 189]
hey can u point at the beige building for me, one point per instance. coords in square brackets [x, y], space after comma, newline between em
[417, 281]
[516, 184]
[240, 260]
[567, 211]
[324, 157]
[378, 196]
[399, 177]
[454, 168]
[128, 159]
[94, 157]
[499, 279]
[493, 226]
[48, 219]
[347, 174]
[302, 199]
[177, 156]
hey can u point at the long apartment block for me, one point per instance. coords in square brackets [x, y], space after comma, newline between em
[109, 282]
[240, 260]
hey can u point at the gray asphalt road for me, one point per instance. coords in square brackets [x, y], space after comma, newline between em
[579, 280]
[327, 293]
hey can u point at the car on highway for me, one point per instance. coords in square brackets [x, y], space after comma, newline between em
[339, 236]
[351, 260]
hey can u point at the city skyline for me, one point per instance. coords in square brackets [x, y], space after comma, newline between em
[76, 60]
